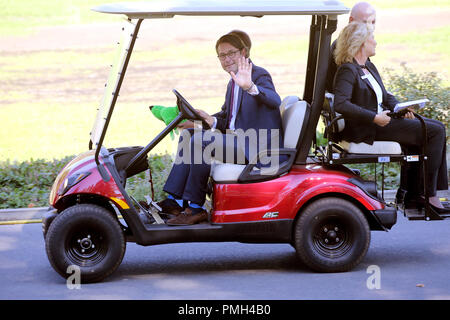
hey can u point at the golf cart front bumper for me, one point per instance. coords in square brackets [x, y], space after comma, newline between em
[386, 217]
[48, 218]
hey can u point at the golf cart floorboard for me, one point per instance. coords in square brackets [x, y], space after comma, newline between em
[275, 231]
[166, 227]
[419, 214]
[414, 214]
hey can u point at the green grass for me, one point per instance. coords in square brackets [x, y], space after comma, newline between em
[426, 51]
[433, 40]
[21, 17]
[49, 131]
[48, 98]
[47, 125]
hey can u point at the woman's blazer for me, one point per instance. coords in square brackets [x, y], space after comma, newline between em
[355, 99]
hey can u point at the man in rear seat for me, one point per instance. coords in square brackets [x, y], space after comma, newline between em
[361, 12]
[251, 103]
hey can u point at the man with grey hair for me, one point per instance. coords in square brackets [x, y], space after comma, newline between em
[361, 12]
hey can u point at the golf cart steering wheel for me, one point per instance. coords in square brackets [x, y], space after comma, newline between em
[188, 111]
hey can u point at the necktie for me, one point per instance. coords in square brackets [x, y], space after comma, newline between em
[230, 111]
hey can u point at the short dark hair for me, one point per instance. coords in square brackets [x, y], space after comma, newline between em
[244, 37]
[238, 39]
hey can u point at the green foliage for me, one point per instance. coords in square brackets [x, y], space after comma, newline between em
[391, 173]
[28, 183]
[410, 85]
[139, 186]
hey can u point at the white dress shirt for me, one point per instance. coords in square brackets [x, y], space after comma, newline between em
[376, 87]
[252, 91]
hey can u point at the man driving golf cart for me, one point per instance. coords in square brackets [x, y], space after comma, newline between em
[251, 103]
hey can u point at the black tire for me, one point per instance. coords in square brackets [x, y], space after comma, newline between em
[89, 237]
[332, 235]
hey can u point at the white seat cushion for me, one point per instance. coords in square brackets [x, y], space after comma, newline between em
[292, 114]
[292, 117]
[226, 172]
[378, 147]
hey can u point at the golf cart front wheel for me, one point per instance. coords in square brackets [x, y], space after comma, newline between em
[87, 238]
[332, 235]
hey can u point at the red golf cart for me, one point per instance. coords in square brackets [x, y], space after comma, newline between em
[311, 200]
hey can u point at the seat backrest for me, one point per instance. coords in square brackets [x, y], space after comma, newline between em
[293, 116]
[329, 107]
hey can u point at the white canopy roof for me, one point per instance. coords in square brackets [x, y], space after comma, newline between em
[257, 8]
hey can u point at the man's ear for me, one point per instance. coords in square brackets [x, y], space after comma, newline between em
[245, 52]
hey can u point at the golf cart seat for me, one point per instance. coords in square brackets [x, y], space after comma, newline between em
[335, 123]
[294, 115]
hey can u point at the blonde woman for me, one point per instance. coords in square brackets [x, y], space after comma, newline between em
[362, 99]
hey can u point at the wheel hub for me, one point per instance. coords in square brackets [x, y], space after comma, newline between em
[331, 235]
[332, 238]
[86, 243]
[86, 247]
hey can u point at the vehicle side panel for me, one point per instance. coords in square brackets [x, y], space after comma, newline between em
[92, 184]
[283, 197]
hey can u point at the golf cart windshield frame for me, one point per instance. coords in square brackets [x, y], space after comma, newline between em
[323, 24]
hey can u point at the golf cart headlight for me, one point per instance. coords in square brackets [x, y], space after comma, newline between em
[73, 180]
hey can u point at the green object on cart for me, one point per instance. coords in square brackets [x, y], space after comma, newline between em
[167, 115]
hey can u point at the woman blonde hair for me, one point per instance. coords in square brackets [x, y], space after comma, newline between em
[350, 40]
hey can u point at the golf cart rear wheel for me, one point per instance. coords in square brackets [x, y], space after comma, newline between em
[332, 235]
[87, 237]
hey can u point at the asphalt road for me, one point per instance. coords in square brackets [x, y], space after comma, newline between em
[412, 261]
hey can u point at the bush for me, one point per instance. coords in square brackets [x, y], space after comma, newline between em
[138, 186]
[28, 183]
[391, 173]
[409, 85]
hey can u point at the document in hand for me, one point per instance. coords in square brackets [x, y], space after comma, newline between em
[413, 105]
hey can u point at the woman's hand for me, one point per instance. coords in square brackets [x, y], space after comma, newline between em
[382, 119]
[409, 114]
[244, 76]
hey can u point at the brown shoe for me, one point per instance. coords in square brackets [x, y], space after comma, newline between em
[144, 205]
[170, 206]
[187, 218]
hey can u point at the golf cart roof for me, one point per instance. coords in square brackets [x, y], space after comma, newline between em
[257, 8]
[323, 23]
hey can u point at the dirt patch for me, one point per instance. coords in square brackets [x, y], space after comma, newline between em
[157, 78]
[191, 29]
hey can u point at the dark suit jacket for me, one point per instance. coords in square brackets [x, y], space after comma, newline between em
[331, 69]
[356, 100]
[254, 112]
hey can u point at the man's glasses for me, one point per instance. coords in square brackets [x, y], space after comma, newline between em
[230, 55]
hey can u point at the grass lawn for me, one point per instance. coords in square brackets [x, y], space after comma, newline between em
[48, 97]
